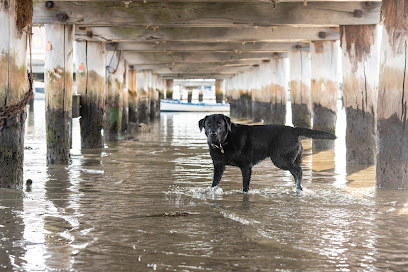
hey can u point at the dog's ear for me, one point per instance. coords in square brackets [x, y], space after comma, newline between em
[201, 123]
[228, 122]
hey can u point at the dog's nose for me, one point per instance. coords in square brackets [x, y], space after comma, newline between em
[213, 134]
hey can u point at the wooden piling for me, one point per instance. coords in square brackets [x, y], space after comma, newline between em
[154, 96]
[220, 91]
[14, 20]
[392, 148]
[58, 89]
[169, 88]
[132, 97]
[324, 88]
[113, 105]
[233, 94]
[143, 103]
[360, 88]
[300, 81]
[125, 101]
[277, 87]
[261, 95]
[90, 83]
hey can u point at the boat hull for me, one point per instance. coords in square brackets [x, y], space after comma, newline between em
[177, 106]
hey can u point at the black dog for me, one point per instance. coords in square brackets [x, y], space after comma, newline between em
[244, 146]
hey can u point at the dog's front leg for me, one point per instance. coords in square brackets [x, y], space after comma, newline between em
[218, 171]
[246, 177]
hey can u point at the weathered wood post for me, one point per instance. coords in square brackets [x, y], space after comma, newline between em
[125, 100]
[392, 144]
[278, 87]
[58, 91]
[261, 96]
[115, 76]
[244, 92]
[324, 57]
[233, 95]
[300, 81]
[143, 105]
[360, 88]
[169, 88]
[13, 88]
[154, 96]
[132, 96]
[90, 83]
[220, 91]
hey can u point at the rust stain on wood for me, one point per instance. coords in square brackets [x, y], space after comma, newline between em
[318, 46]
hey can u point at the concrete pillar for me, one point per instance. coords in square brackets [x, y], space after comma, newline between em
[300, 81]
[114, 108]
[13, 88]
[220, 91]
[143, 104]
[278, 87]
[360, 88]
[392, 141]
[324, 57]
[90, 84]
[169, 88]
[58, 91]
[132, 97]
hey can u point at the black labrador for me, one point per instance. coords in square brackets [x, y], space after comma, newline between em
[245, 146]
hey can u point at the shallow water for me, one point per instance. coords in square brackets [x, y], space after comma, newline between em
[146, 205]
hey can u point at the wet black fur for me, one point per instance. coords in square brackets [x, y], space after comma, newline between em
[245, 146]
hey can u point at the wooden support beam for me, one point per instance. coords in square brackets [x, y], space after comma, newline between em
[360, 90]
[392, 149]
[244, 34]
[185, 46]
[278, 86]
[13, 86]
[192, 57]
[200, 65]
[209, 14]
[90, 84]
[300, 95]
[125, 101]
[58, 89]
[324, 88]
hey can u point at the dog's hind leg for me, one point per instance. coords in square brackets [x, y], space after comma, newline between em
[246, 177]
[297, 173]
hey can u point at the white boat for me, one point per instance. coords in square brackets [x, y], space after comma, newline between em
[176, 105]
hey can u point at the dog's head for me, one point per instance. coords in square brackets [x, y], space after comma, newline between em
[216, 127]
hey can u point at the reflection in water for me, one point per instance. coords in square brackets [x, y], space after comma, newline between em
[102, 212]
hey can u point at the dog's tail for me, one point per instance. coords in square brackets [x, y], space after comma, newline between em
[314, 134]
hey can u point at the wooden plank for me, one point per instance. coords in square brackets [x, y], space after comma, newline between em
[191, 57]
[202, 65]
[242, 34]
[151, 46]
[209, 14]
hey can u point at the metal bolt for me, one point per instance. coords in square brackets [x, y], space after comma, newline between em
[49, 4]
[322, 35]
[358, 13]
[89, 34]
[62, 17]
